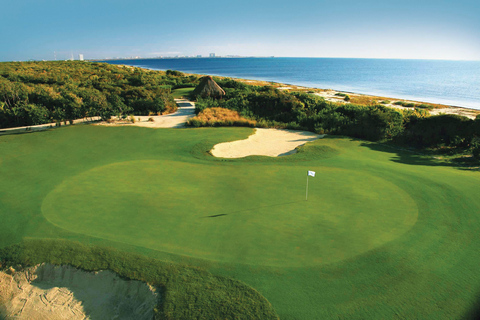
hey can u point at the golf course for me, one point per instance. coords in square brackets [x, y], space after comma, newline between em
[384, 234]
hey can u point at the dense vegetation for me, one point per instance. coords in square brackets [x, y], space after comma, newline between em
[220, 117]
[43, 92]
[271, 107]
[186, 292]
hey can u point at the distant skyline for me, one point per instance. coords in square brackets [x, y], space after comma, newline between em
[402, 29]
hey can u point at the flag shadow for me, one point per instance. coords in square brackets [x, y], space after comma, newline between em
[256, 208]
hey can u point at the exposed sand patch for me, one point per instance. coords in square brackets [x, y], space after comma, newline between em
[62, 292]
[469, 113]
[265, 142]
[329, 95]
[178, 119]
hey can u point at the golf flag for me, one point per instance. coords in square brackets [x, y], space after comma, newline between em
[309, 174]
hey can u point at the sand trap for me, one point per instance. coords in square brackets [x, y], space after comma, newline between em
[265, 142]
[186, 110]
[62, 292]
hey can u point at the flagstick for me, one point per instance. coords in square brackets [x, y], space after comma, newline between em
[306, 196]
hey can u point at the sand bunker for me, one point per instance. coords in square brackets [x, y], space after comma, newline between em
[265, 142]
[62, 292]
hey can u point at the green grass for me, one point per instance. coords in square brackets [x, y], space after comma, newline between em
[182, 93]
[384, 233]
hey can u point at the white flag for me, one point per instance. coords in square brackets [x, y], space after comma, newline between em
[311, 173]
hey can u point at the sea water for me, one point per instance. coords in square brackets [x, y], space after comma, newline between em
[455, 83]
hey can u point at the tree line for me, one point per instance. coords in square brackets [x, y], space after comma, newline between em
[56, 91]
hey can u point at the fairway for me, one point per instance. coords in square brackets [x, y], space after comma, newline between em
[384, 233]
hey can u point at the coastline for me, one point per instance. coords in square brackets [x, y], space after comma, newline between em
[446, 83]
[331, 95]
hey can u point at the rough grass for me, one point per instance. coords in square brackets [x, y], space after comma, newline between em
[428, 272]
[364, 100]
[373, 100]
[220, 117]
[427, 106]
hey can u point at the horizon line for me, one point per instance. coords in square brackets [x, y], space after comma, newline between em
[240, 57]
[273, 57]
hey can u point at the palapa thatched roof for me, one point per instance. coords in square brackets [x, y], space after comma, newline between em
[208, 88]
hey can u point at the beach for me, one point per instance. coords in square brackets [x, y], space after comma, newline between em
[448, 83]
[337, 95]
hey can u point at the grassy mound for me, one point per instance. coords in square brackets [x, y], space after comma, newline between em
[187, 293]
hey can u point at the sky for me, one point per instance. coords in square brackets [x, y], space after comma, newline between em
[403, 29]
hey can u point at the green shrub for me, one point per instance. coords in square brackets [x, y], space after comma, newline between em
[436, 131]
[476, 152]
[174, 73]
[424, 106]
[475, 147]
[40, 92]
[408, 104]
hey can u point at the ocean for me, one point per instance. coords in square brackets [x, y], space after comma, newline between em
[455, 83]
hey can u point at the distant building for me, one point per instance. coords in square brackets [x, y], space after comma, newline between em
[80, 57]
[199, 55]
[212, 55]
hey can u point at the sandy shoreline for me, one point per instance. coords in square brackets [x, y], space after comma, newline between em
[330, 95]
[338, 97]
[265, 142]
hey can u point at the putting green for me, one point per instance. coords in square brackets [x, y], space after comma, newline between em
[232, 213]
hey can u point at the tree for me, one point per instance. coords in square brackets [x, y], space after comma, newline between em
[72, 104]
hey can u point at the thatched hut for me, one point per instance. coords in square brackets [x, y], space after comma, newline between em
[208, 88]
